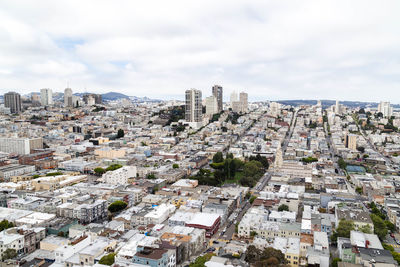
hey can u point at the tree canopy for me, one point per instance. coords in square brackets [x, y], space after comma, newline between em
[4, 224]
[283, 207]
[120, 133]
[267, 257]
[117, 206]
[108, 259]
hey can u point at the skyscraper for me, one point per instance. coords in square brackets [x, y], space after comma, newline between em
[68, 97]
[385, 109]
[211, 105]
[243, 99]
[12, 100]
[218, 94]
[234, 98]
[46, 97]
[337, 107]
[351, 141]
[193, 107]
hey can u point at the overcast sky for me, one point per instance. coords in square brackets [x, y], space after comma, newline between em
[340, 49]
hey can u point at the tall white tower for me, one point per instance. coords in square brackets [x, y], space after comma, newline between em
[46, 97]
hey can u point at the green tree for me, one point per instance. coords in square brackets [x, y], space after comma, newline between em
[342, 164]
[120, 133]
[283, 207]
[200, 261]
[54, 173]
[9, 254]
[335, 262]
[253, 169]
[361, 149]
[252, 198]
[108, 259]
[117, 206]
[359, 190]
[4, 224]
[113, 167]
[343, 230]
[218, 157]
[253, 254]
[380, 228]
[365, 229]
[99, 171]
[151, 176]
[175, 166]
[390, 226]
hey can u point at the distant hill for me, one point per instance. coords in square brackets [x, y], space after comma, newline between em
[113, 96]
[327, 103]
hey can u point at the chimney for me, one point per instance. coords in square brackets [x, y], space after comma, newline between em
[366, 243]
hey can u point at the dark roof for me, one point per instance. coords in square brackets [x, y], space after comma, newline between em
[151, 253]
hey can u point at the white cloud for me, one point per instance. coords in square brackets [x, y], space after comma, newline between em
[272, 49]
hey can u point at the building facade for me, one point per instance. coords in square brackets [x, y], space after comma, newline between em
[12, 100]
[217, 92]
[193, 106]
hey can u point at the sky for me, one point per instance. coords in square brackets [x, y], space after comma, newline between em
[281, 49]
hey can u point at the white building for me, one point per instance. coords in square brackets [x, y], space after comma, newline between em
[211, 105]
[159, 214]
[10, 240]
[22, 146]
[234, 98]
[8, 171]
[385, 109]
[193, 106]
[46, 97]
[119, 176]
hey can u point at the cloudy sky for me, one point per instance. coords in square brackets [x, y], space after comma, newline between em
[281, 49]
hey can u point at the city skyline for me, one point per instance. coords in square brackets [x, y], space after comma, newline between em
[328, 50]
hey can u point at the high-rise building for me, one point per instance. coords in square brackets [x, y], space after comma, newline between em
[12, 100]
[337, 107]
[193, 107]
[68, 97]
[20, 146]
[97, 98]
[275, 108]
[243, 99]
[351, 141]
[218, 94]
[211, 105]
[35, 97]
[46, 97]
[385, 109]
[234, 98]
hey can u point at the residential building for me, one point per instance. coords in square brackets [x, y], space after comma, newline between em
[218, 94]
[120, 176]
[193, 106]
[12, 100]
[21, 146]
[46, 97]
[386, 109]
[211, 105]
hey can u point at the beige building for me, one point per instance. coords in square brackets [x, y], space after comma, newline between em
[109, 153]
[50, 183]
[211, 105]
[351, 141]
